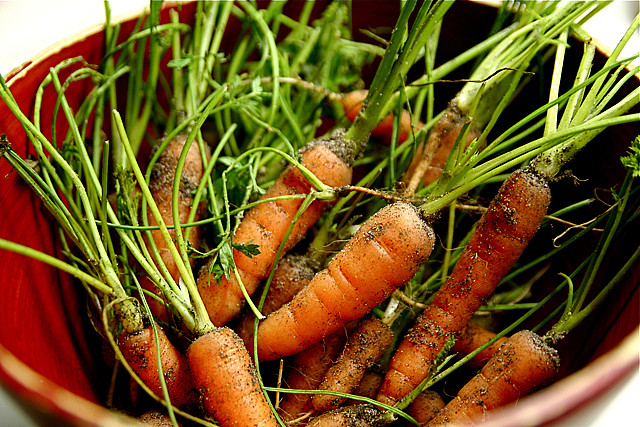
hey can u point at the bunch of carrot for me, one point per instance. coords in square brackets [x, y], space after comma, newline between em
[242, 241]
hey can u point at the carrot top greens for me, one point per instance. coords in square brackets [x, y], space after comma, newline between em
[249, 88]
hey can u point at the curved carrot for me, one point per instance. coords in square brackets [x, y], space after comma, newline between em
[350, 416]
[266, 224]
[523, 364]
[226, 378]
[161, 186]
[292, 274]
[384, 254]
[305, 373]
[367, 343]
[352, 103]
[425, 406]
[502, 234]
[139, 350]
[472, 337]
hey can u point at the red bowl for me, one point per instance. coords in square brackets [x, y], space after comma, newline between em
[48, 352]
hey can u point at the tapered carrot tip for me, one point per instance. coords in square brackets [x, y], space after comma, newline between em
[521, 366]
[350, 416]
[226, 378]
[139, 350]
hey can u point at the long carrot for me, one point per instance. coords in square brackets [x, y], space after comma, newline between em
[502, 234]
[523, 364]
[348, 289]
[266, 224]
[367, 343]
[226, 378]
[161, 186]
[139, 350]
[306, 372]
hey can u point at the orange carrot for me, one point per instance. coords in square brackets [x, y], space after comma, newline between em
[305, 373]
[352, 103]
[430, 157]
[292, 274]
[266, 224]
[161, 186]
[502, 234]
[367, 343]
[350, 416]
[384, 254]
[226, 378]
[425, 406]
[522, 365]
[368, 386]
[472, 337]
[139, 350]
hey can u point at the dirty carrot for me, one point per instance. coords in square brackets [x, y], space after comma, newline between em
[224, 374]
[395, 242]
[364, 415]
[292, 274]
[266, 225]
[161, 185]
[425, 406]
[139, 350]
[472, 337]
[523, 364]
[366, 344]
[511, 220]
[305, 373]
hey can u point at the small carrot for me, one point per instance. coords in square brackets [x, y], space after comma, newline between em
[425, 406]
[161, 186]
[472, 337]
[139, 350]
[350, 416]
[305, 373]
[368, 386]
[156, 418]
[430, 157]
[226, 378]
[394, 242]
[502, 234]
[266, 224]
[523, 364]
[352, 103]
[292, 274]
[366, 344]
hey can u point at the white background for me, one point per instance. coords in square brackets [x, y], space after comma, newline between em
[29, 26]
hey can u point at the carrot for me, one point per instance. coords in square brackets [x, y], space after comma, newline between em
[502, 234]
[161, 186]
[350, 416]
[156, 418]
[292, 274]
[352, 103]
[425, 406]
[266, 224]
[226, 378]
[472, 337]
[139, 350]
[523, 364]
[367, 387]
[430, 157]
[367, 343]
[305, 373]
[384, 253]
